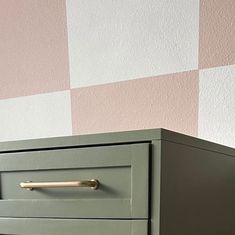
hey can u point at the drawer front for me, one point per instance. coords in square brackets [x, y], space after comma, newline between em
[122, 172]
[33, 226]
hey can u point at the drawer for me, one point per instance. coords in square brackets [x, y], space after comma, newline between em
[35, 226]
[122, 172]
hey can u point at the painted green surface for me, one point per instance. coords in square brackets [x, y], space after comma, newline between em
[122, 171]
[197, 191]
[114, 138]
[191, 185]
[156, 187]
[29, 226]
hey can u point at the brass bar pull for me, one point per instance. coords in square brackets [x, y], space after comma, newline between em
[93, 184]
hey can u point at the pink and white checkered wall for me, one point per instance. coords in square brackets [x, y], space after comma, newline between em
[76, 67]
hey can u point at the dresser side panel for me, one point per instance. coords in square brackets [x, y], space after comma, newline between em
[197, 191]
[155, 187]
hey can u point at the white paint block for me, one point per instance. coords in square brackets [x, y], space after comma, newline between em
[217, 105]
[116, 40]
[44, 115]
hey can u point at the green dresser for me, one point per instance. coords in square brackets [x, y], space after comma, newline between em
[148, 182]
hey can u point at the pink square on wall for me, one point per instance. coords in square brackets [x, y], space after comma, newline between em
[33, 47]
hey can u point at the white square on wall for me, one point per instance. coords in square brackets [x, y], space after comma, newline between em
[37, 116]
[217, 105]
[117, 40]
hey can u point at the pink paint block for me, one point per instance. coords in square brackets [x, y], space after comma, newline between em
[217, 33]
[33, 47]
[168, 101]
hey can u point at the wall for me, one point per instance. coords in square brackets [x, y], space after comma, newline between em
[76, 67]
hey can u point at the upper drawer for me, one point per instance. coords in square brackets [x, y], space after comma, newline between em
[122, 172]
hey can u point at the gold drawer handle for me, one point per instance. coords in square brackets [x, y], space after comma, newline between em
[93, 184]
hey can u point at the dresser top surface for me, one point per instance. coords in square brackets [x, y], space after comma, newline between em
[147, 135]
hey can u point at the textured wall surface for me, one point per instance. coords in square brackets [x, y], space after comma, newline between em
[217, 32]
[75, 67]
[126, 39]
[217, 104]
[139, 104]
[36, 116]
[33, 47]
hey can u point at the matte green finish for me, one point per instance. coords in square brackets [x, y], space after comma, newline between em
[114, 138]
[155, 187]
[197, 191]
[192, 185]
[30, 226]
[122, 171]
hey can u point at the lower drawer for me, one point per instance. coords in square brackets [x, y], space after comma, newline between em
[29, 226]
